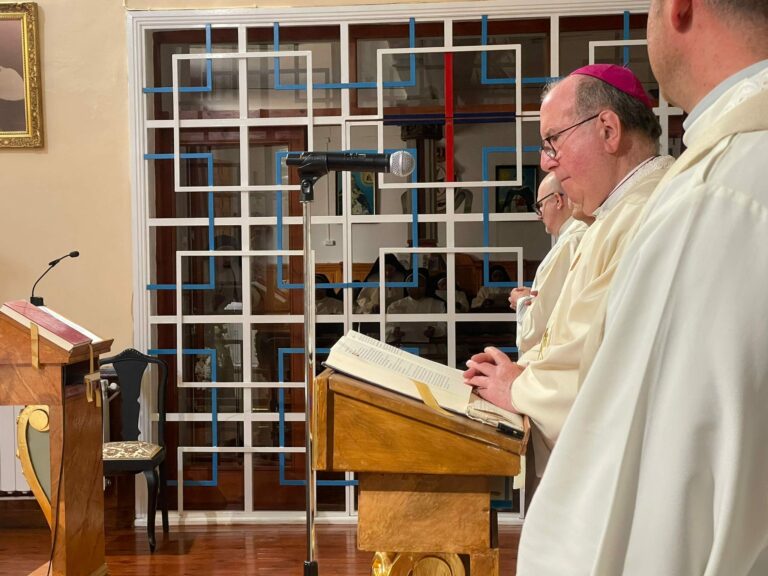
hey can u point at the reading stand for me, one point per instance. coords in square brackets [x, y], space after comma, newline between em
[35, 371]
[424, 495]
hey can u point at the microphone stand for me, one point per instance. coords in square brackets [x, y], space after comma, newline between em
[38, 300]
[307, 196]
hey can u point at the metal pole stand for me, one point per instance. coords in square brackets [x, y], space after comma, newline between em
[307, 197]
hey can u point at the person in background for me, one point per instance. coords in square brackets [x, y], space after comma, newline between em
[441, 292]
[420, 300]
[534, 305]
[325, 299]
[367, 301]
[661, 467]
[492, 297]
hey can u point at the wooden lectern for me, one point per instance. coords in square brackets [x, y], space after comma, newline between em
[75, 429]
[424, 502]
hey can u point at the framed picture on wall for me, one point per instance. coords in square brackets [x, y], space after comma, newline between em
[21, 124]
[363, 191]
[517, 198]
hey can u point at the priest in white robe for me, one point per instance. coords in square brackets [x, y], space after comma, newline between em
[661, 467]
[600, 140]
[534, 305]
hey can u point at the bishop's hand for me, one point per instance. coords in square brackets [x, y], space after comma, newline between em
[492, 373]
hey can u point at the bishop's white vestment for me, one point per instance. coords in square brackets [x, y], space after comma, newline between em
[550, 276]
[548, 385]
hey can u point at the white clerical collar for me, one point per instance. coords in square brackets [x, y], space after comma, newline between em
[567, 225]
[620, 189]
[744, 88]
[712, 97]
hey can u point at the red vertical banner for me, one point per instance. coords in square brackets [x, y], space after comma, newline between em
[448, 56]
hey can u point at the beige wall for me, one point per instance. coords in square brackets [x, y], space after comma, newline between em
[74, 194]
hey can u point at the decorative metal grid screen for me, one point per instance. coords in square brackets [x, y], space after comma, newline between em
[219, 99]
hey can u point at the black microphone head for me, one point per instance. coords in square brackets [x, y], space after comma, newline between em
[401, 163]
[74, 254]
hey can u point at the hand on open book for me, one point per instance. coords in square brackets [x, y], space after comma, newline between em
[492, 373]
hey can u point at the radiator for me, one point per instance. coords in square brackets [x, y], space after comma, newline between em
[11, 478]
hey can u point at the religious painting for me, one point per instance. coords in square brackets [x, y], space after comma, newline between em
[517, 198]
[21, 124]
[362, 190]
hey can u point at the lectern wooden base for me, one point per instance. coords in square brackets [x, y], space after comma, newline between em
[75, 440]
[424, 503]
[435, 518]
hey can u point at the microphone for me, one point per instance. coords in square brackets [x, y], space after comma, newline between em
[399, 163]
[38, 300]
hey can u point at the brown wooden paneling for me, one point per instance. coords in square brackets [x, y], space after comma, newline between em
[423, 513]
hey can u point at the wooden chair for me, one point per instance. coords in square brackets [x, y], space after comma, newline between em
[131, 455]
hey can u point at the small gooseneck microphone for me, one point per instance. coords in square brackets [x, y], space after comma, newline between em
[399, 163]
[38, 300]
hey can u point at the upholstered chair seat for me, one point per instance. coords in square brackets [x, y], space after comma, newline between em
[132, 456]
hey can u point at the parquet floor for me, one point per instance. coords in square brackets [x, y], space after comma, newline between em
[220, 550]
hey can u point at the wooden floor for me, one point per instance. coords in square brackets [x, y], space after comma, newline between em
[221, 550]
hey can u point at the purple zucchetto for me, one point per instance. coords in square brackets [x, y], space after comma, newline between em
[620, 78]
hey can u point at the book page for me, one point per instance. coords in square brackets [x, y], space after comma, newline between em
[390, 367]
[482, 410]
[429, 365]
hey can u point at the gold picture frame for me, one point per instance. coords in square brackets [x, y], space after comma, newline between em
[21, 113]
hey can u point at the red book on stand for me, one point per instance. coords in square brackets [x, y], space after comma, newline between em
[52, 326]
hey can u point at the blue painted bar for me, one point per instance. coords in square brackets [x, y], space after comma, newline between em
[502, 81]
[211, 264]
[626, 37]
[214, 410]
[187, 89]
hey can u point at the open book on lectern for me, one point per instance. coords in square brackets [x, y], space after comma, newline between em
[378, 363]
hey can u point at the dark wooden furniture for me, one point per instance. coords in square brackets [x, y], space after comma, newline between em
[129, 455]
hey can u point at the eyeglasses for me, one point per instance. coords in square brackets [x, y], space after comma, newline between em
[548, 143]
[540, 203]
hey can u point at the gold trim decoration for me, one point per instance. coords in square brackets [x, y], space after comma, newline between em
[88, 389]
[416, 564]
[32, 135]
[34, 336]
[38, 417]
[92, 380]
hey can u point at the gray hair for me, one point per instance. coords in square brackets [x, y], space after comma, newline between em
[593, 95]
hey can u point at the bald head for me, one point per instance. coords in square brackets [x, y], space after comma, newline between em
[553, 205]
[549, 185]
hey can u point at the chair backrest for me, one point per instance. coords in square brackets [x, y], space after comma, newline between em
[130, 366]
